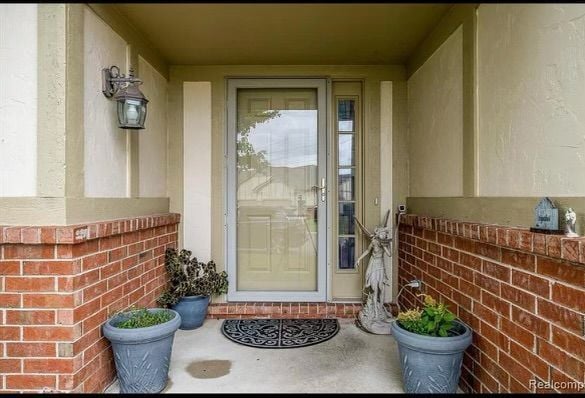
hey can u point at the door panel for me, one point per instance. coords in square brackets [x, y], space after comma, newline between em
[256, 239]
[277, 164]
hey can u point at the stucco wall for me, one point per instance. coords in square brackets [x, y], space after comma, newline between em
[531, 113]
[196, 155]
[18, 99]
[106, 146]
[522, 111]
[435, 122]
[152, 154]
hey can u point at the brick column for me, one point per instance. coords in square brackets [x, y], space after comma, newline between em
[58, 285]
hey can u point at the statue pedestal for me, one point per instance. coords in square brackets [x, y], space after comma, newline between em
[374, 318]
[375, 326]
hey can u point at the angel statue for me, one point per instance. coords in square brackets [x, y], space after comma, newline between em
[374, 317]
[570, 220]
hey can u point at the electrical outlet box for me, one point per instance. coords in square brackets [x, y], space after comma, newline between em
[416, 283]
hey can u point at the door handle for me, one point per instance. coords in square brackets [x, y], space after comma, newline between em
[322, 188]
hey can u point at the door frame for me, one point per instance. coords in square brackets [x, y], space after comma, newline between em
[233, 84]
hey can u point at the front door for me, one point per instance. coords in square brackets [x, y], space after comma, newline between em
[277, 195]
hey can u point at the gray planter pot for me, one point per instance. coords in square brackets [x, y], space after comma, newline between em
[142, 356]
[431, 364]
[193, 310]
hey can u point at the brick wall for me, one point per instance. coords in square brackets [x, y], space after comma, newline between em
[522, 293]
[58, 285]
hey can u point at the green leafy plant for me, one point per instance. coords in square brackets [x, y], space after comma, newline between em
[188, 277]
[433, 320]
[141, 318]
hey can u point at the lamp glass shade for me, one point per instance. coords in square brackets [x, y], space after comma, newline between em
[131, 108]
[131, 113]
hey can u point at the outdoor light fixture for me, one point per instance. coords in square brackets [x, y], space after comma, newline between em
[131, 102]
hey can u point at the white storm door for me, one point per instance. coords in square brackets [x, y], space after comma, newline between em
[276, 190]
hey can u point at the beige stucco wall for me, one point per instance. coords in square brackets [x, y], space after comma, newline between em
[522, 111]
[68, 68]
[531, 109]
[435, 122]
[196, 154]
[18, 100]
[216, 74]
[152, 141]
[106, 146]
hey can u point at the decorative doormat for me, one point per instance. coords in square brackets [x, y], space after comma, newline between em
[279, 333]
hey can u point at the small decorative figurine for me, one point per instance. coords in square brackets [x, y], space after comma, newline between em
[546, 217]
[374, 317]
[570, 220]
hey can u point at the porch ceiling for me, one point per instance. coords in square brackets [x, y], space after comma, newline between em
[281, 34]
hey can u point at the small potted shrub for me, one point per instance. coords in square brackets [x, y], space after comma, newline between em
[191, 284]
[431, 343]
[142, 341]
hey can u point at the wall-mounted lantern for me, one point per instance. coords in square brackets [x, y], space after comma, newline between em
[131, 101]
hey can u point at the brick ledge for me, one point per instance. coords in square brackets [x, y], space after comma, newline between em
[77, 233]
[555, 246]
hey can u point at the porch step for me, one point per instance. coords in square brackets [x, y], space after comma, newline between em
[276, 310]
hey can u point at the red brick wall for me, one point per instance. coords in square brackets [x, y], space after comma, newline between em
[522, 293]
[58, 285]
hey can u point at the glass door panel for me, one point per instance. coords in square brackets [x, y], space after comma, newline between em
[346, 132]
[277, 189]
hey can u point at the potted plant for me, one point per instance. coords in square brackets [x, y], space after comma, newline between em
[191, 283]
[142, 340]
[430, 344]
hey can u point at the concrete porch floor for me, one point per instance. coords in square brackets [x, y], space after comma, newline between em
[203, 360]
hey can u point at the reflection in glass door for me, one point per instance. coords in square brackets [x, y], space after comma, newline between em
[276, 190]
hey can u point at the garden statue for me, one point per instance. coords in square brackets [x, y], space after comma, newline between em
[374, 317]
[570, 220]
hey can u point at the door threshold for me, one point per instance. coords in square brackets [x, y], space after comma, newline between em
[280, 310]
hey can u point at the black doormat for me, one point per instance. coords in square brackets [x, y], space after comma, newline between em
[279, 333]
